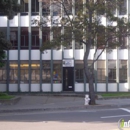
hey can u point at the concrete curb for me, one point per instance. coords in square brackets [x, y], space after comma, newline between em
[90, 107]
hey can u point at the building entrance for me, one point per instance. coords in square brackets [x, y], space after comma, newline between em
[68, 78]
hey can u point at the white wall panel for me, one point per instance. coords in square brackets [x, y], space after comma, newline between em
[87, 88]
[79, 54]
[35, 87]
[46, 55]
[68, 53]
[79, 87]
[57, 54]
[13, 87]
[57, 87]
[112, 55]
[14, 22]
[112, 87]
[46, 87]
[13, 55]
[103, 55]
[34, 17]
[35, 54]
[103, 20]
[101, 87]
[123, 87]
[91, 53]
[123, 54]
[24, 21]
[24, 55]
[3, 21]
[3, 87]
[24, 87]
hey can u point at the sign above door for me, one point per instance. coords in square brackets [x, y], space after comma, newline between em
[68, 63]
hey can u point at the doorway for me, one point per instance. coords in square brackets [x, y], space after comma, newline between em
[68, 78]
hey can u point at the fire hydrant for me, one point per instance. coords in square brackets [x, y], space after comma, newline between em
[87, 99]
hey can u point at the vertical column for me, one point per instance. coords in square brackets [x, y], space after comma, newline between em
[29, 35]
[106, 70]
[117, 61]
[62, 47]
[51, 38]
[73, 41]
[7, 64]
[128, 40]
[84, 46]
[40, 43]
[117, 69]
[19, 39]
[106, 65]
[95, 74]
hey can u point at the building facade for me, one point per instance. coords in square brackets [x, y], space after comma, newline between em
[29, 70]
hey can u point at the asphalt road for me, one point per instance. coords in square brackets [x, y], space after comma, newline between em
[105, 119]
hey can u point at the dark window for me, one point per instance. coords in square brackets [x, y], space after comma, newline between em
[79, 75]
[123, 7]
[35, 39]
[14, 40]
[35, 6]
[24, 4]
[112, 75]
[45, 8]
[24, 38]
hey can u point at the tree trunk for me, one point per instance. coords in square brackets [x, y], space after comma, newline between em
[89, 76]
[91, 91]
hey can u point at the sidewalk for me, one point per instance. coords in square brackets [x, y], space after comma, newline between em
[51, 103]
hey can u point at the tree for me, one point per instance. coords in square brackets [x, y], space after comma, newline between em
[8, 8]
[85, 26]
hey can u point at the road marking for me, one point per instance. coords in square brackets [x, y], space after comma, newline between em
[114, 116]
[124, 109]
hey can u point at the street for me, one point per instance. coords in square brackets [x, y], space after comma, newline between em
[103, 119]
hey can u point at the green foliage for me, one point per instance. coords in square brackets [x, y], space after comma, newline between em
[5, 96]
[8, 8]
[4, 45]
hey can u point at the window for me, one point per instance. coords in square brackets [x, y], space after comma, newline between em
[3, 76]
[79, 72]
[35, 38]
[123, 8]
[24, 4]
[35, 6]
[24, 38]
[35, 72]
[45, 7]
[123, 71]
[14, 38]
[13, 74]
[57, 69]
[112, 71]
[46, 37]
[56, 8]
[123, 42]
[67, 7]
[68, 38]
[101, 78]
[46, 72]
